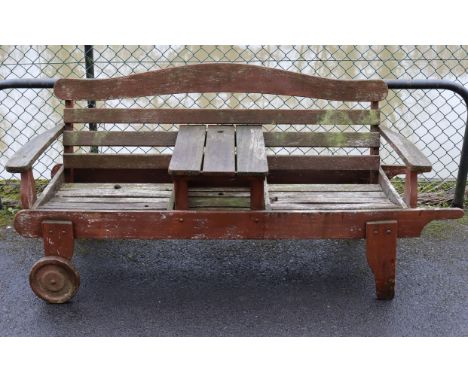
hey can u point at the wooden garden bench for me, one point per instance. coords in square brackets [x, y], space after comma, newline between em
[220, 183]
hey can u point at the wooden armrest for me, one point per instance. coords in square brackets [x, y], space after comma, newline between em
[25, 157]
[413, 158]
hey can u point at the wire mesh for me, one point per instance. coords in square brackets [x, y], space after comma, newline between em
[433, 119]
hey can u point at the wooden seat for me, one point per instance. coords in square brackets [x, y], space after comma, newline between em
[230, 187]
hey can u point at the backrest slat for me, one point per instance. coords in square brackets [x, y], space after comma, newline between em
[224, 116]
[272, 139]
[218, 78]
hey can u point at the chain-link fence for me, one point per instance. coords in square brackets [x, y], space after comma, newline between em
[433, 119]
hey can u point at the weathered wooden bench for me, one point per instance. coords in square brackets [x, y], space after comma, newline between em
[219, 183]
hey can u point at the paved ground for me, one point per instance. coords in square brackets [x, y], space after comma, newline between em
[224, 288]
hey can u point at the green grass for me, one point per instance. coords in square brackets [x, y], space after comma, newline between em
[10, 196]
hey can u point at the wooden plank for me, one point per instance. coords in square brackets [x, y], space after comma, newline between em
[324, 162]
[117, 161]
[220, 151]
[331, 206]
[27, 189]
[381, 255]
[223, 116]
[108, 199]
[389, 190]
[116, 175]
[50, 190]
[24, 158]
[120, 186]
[333, 197]
[305, 176]
[321, 139]
[188, 151]
[230, 224]
[158, 204]
[411, 188]
[414, 159]
[120, 138]
[196, 202]
[126, 193]
[324, 187]
[58, 238]
[218, 78]
[251, 153]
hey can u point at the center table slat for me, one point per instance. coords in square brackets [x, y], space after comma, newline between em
[251, 153]
[220, 151]
[188, 151]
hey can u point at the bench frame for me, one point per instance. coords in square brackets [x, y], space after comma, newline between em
[60, 228]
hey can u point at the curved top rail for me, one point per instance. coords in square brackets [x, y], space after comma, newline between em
[221, 77]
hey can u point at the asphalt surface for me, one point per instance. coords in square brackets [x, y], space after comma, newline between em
[242, 288]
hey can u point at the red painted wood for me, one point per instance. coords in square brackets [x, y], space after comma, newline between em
[257, 193]
[381, 255]
[230, 224]
[181, 193]
[58, 238]
[27, 189]
[411, 188]
[218, 78]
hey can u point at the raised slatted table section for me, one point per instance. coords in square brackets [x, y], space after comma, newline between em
[219, 151]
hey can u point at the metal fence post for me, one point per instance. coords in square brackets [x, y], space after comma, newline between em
[89, 64]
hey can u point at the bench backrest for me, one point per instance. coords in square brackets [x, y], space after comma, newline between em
[216, 78]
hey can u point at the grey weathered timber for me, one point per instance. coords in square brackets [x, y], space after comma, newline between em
[120, 138]
[251, 153]
[50, 190]
[325, 187]
[119, 161]
[321, 139]
[188, 152]
[25, 157]
[413, 158]
[223, 116]
[323, 162]
[220, 150]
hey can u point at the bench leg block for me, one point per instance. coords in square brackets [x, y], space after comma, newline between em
[58, 238]
[181, 200]
[381, 256]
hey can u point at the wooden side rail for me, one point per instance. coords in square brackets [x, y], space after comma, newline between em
[415, 161]
[23, 160]
[25, 157]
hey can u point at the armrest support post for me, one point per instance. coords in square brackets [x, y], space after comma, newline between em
[27, 189]
[411, 188]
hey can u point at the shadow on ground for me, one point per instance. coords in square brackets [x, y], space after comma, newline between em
[242, 288]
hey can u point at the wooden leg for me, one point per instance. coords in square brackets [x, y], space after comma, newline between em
[181, 193]
[27, 189]
[411, 189]
[381, 256]
[257, 193]
[58, 238]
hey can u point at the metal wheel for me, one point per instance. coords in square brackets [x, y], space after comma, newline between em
[54, 279]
